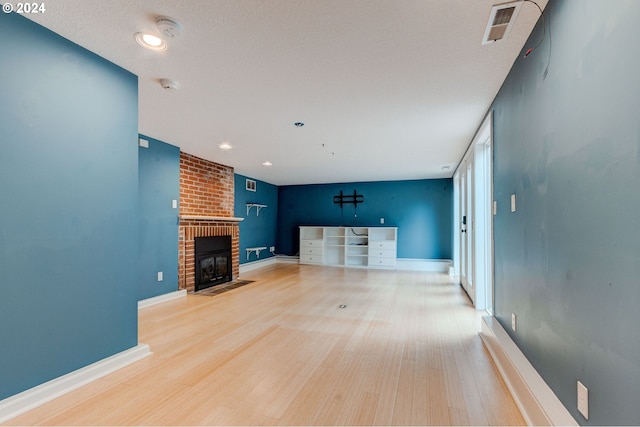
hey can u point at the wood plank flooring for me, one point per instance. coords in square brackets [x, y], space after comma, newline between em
[280, 351]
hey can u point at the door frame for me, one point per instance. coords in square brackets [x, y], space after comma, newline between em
[473, 192]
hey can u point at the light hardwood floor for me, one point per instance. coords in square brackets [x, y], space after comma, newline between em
[280, 351]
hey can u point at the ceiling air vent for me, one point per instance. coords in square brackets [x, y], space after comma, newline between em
[500, 22]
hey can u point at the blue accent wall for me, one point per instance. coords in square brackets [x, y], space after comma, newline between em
[69, 210]
[567, 142]
[421, 209]
[159, 185]
[256, 231]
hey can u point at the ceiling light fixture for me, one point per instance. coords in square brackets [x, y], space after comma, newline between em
[150, 41]
[225, 146]
[267, 163]
[298, 124]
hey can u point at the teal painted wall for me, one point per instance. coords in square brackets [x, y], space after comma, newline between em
[567, 142]
[69, 211]
[421, 209]
[159, 185]
[256, 231]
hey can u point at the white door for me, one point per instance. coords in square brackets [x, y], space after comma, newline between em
[488, 223]
[483, 217]
[466, 226]
[475, 219]
[462, 221]
[456, 222]
[470, 229]
[482, 277]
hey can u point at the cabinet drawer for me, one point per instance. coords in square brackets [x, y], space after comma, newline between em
[382, 253]
[382, 245]
[311, 250]
[382, 262]
[310, 259]
[312, 243]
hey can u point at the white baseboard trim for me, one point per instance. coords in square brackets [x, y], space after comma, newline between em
[288, 259]
[162, 298]
[409, 264]
[248, 266]
[430, 265]
[278, 259]
[537, 402]
[20, 403]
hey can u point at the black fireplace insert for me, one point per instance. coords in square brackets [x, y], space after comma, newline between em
[212, 261]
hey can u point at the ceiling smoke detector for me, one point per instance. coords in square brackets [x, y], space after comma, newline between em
[169, 84]
[168, 27]
[501, 21]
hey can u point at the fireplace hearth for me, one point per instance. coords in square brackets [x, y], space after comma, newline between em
[212, 261]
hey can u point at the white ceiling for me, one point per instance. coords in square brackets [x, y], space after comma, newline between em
[387, 89]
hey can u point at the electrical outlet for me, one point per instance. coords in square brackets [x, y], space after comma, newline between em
[272, 248]
[381, 220]
[583, 400]
[513, 321]
[160, 276]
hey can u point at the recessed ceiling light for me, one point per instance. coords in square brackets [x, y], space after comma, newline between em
[225, 146]
[150, 41]
[267, 163]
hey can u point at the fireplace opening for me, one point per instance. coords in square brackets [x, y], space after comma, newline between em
[212, 261]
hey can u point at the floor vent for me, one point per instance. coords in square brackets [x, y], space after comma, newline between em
[500, 22]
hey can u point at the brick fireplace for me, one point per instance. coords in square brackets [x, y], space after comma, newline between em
[206, 209]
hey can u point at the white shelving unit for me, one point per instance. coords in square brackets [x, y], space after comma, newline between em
[362, 247]
[256, 249]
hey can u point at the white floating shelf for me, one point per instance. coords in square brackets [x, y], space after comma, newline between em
[258, 207]
[211, 218]
[257, 250]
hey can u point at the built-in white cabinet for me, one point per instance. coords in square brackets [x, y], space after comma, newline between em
[311, 245]
[374, 247]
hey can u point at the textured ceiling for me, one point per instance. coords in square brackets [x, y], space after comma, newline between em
[387, 89]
